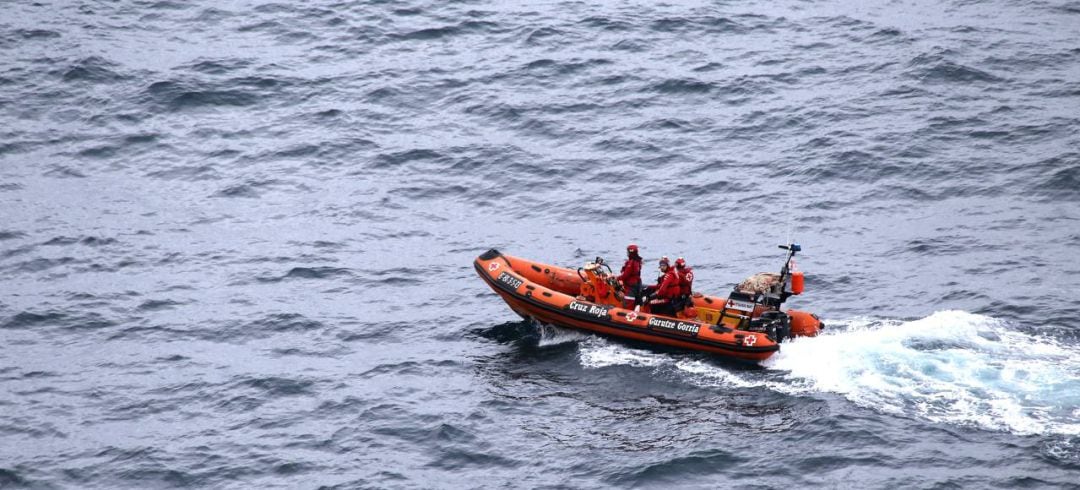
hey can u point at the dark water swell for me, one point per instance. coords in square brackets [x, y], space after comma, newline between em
[236, 242]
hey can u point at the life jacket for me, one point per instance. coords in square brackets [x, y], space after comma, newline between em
[686, 281]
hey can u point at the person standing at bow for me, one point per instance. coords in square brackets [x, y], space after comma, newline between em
[630, 275]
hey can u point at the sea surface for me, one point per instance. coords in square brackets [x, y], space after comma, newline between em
[236, 241]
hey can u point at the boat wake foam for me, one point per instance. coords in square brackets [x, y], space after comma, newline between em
[552, 335]
[598, 352]
[950, 367]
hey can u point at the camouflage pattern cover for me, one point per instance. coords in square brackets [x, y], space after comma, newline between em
[761, 282]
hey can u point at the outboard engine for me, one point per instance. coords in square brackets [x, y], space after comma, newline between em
[775, 324]
[755, 303]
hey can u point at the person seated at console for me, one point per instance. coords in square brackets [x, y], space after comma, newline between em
[686, 285]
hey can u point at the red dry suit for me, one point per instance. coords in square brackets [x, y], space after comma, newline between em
[630, 275]
[686, 281]
[667, 286]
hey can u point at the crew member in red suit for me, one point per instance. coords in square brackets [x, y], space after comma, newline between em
[630, 275]
[686, 284]
[665, 291]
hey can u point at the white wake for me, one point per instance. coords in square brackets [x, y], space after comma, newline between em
[951, 367]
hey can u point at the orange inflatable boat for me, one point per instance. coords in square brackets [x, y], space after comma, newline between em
[748, 324]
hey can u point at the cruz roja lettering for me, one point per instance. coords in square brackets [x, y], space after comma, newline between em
[591, 310]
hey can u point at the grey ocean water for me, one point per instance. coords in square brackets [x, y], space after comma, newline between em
[236, 241]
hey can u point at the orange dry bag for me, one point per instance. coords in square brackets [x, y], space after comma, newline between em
[797, 282]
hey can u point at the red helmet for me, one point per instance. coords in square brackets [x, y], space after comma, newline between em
[631, 249]
[664, 262]
[680, 262]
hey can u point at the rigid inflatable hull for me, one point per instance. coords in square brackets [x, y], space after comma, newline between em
[523, 285]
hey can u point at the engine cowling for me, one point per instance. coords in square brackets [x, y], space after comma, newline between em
[804, 324]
